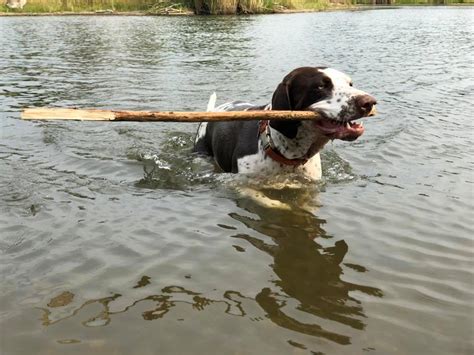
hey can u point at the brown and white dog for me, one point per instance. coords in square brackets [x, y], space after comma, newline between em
[264, 148]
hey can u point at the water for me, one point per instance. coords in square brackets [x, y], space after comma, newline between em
[116, 240]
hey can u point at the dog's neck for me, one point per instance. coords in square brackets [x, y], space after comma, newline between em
[297, 139]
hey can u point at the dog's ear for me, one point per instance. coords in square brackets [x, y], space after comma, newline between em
[282, 101]
[292, 94]
[281, 97]
[299, 89]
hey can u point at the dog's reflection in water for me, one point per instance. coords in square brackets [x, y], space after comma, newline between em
[309, 275]
[308, 278]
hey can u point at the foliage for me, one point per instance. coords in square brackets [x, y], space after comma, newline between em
[39, 6]
[205, 6]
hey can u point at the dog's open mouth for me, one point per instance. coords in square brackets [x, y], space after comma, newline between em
[347, 131]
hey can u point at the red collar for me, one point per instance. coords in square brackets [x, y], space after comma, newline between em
[270, 149]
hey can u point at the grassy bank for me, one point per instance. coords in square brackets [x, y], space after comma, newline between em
[82, 5]
[174, 6]
[202, 6]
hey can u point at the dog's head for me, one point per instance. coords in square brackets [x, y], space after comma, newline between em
[329, 93]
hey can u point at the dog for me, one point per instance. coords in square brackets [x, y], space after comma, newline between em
[266, 148]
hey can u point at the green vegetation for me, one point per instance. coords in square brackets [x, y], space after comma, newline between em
[204, 6]
[261, 6]
[82, 5]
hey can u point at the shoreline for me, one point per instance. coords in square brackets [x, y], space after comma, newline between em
[191, 13]
[181, 13]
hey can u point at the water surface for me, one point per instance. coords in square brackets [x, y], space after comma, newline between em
[116, 240]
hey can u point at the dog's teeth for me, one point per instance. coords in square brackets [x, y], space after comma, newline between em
[348, 125]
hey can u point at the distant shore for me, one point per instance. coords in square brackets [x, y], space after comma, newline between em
[181, 13]
[185, 12]
[190, 12]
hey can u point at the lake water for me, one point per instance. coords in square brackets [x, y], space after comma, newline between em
[116, 240]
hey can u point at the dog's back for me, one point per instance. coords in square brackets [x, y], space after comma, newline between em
[234, 139]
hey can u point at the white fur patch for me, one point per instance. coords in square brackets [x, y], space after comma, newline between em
[234, 106]
[341, 104]
[296, 147]
[261, 165]
[201, 131]
[211, 105]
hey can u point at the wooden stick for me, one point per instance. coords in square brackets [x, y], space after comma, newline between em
[165, 116]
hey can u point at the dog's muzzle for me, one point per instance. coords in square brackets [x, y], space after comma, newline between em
[365, 104]
[343, 126]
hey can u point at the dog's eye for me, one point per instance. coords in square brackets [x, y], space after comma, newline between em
[325, 84]
[351, 84]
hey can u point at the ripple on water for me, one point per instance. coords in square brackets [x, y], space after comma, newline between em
[377, 257]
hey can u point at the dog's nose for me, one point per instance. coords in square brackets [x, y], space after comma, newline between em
[365, 102]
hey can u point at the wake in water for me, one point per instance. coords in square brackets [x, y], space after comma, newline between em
[175, 167]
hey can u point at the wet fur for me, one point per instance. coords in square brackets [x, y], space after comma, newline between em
[236, 146]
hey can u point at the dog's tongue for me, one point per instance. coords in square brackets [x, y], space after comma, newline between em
[348, 131]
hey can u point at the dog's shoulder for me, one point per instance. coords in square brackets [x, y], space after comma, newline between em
[231, 141]
[228, 141]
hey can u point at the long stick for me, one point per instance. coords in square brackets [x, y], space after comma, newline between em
[165, 116]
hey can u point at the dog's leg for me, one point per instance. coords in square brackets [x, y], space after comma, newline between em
[261, 199]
